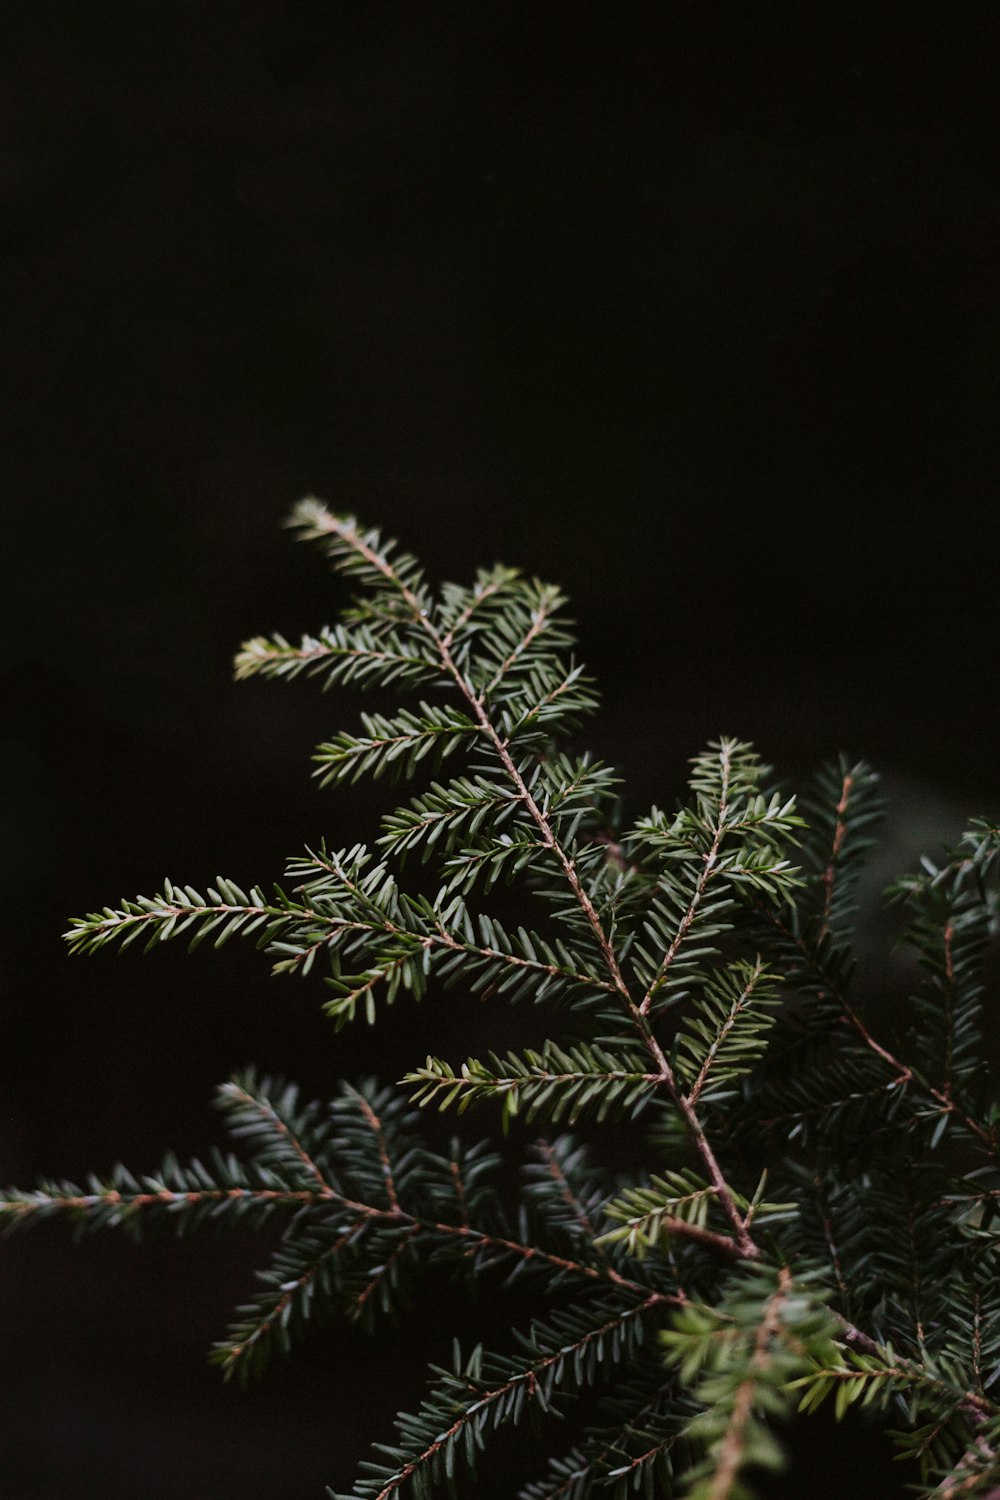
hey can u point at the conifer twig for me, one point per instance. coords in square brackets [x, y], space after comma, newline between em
[744, 1241]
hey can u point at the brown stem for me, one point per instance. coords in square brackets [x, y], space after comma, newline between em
[263, 1107]
[724, 1031]
[748, 1247]
[904, 1074]
[383, 1153]
[487, 1398]
[976, 1409]
[307, 1198]
[733, 1444]
[744, 1240]
[704, 876]
[830, 873]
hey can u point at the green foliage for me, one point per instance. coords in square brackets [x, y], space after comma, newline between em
[772, 1201]
[742, 1357]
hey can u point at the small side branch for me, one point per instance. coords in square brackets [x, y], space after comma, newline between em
[830, 873]
[375, 1125]
[734, 1442]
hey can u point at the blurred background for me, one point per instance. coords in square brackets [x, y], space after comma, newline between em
[692, 308]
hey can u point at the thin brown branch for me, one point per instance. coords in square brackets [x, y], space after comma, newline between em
[704, 876]
[904, 1073]
[604, 945]
[567, 1194]
[237, 1351]
[541, 617]
[264, 1107]
[456, 1177]
[830, 873]
[727, 1026]
[949, 970]
[485, 1399]
[733, 1444]
[722, 1244]
[544, 827]
[375, 1125]
[606, 1273]
[831, 1243]
[384, 1269]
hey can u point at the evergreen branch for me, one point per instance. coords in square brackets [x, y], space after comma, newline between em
[557, 1082]
[547, 601]
[397, 743]
[978, 1473]
[632, 1471]
[363, 554]
[545, 829]
[840, 829]
[904, 1074]
[502, 857]
[881, 1362]
[347, 535]
[444, 814]
[745, 1355]
[284, 1305]
[701, 883]
[227, 911]
[556, 1170]
[677, 1204]
[863, 1380]
[196, 1195]
[726, 1034]
[951, 917]
[462, 604]
[350, 989]
[503, 958]
[384, 1272]
[568, 1350]
[450, 928]
[17, 1206]
[697, 913]
[636, 1417]
[375, 1125]
[359, 655]
[842, 808]
[276, 1128]
[544, 700]
[322, 522]
[652, 1215]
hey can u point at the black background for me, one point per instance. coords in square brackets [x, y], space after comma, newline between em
[692, 308]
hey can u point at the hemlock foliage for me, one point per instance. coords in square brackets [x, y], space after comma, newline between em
[816, 1214]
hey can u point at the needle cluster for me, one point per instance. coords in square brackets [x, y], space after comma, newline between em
[815, 1211]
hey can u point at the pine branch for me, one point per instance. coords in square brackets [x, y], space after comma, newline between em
[450, 1426]
[743, 1358]
[557, 1083]
[665, 949]
[673, 1205]
[371, 559]
[729, 1031]
[399, 744]
[361, 655]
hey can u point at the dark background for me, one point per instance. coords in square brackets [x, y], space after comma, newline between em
[692, 308]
